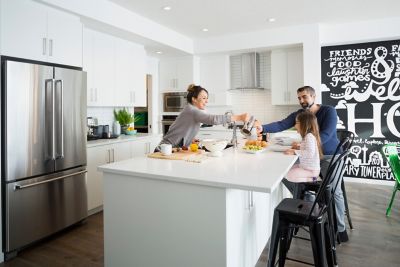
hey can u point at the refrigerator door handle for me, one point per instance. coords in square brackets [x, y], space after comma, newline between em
[61, 154]
[53, 152]
[18, 187]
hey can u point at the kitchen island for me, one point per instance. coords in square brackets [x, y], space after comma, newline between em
[176, 213]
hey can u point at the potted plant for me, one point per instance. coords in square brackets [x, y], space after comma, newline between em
[125, 118]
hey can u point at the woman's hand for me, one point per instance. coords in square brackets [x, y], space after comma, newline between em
[290, 152]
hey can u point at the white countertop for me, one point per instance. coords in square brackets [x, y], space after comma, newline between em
[121, 138]
[235, 169]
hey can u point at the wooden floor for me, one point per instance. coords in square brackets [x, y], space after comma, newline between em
[375, 241]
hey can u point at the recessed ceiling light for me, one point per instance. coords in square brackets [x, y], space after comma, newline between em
[271, 20]
[167, 8]
[158, 52]
[205, 30]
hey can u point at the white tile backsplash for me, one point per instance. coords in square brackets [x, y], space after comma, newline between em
[257, 103]
[104, 115]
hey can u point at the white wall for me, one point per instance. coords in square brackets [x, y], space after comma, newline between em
[365, 31]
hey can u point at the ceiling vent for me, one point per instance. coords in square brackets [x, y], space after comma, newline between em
[245, 71]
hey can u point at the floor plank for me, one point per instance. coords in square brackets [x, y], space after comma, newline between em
[375, 241]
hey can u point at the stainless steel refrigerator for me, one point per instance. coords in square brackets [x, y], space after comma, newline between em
[43, 150]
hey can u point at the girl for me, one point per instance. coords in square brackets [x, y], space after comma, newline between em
[309, 154]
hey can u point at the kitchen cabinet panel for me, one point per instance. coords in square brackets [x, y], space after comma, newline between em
[137, 76]
[176, 73]
[108, 153]
[214, 76]
[34, 31]
[121, 151]
[23, 29]
[247, 212]
[143, 147]
[65, 38]
[116, 71]
[295, 73]
[103, 69]
[286, 75]
[97, 156]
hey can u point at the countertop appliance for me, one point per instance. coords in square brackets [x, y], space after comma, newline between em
[43, 150]
[174, 101]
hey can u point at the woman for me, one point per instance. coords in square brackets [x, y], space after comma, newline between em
[187, 125]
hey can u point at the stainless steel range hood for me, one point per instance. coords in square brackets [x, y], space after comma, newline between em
[245, 71]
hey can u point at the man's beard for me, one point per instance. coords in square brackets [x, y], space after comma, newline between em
[307, 106]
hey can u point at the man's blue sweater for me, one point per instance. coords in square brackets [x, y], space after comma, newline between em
[327, 120]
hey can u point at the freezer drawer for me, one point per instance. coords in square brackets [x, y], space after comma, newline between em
[39, 207]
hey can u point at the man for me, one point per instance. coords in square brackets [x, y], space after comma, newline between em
[327, 120]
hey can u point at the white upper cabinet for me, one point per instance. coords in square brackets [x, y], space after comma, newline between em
[98, 62]
[115, 70]
[286, 75]
[176, 73]
[214, 76]
[34, 31]
[136, 76]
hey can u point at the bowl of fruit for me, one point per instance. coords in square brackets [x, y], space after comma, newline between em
[130, 131]
[255, 147]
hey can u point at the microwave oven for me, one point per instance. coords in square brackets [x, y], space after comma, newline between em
[174, 101]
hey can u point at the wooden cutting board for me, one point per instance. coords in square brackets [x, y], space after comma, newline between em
[181, 155]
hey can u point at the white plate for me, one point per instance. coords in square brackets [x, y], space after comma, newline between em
[279, 148]
[253, 151]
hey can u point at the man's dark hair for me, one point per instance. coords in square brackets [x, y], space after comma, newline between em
[308, 89]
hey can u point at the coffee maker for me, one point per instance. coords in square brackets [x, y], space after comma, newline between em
[92, 129]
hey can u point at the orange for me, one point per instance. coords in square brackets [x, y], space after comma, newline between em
[194, 147]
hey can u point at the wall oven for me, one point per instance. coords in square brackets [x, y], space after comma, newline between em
[167, 121]
[174, 101]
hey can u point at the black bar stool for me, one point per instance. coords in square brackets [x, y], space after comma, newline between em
[292, 213]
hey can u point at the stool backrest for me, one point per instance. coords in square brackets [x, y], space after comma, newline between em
[332, 179]
[342, 134]
[391, 153]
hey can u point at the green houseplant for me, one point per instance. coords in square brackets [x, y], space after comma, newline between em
[125, 118]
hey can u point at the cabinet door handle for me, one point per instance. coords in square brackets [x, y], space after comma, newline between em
[113, 160]
[248, 200]
[251, 200]
[95, 95]
[44, 46]
[50, 47]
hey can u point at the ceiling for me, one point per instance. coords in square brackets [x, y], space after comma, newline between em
[224, 17]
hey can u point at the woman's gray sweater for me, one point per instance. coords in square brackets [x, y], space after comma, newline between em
[187, 125]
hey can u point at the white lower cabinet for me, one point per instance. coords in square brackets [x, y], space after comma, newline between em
[97, 156]
[247, 227]
[140, 148]
[108, 153]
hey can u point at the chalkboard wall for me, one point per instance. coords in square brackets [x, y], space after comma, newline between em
[362, 81]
